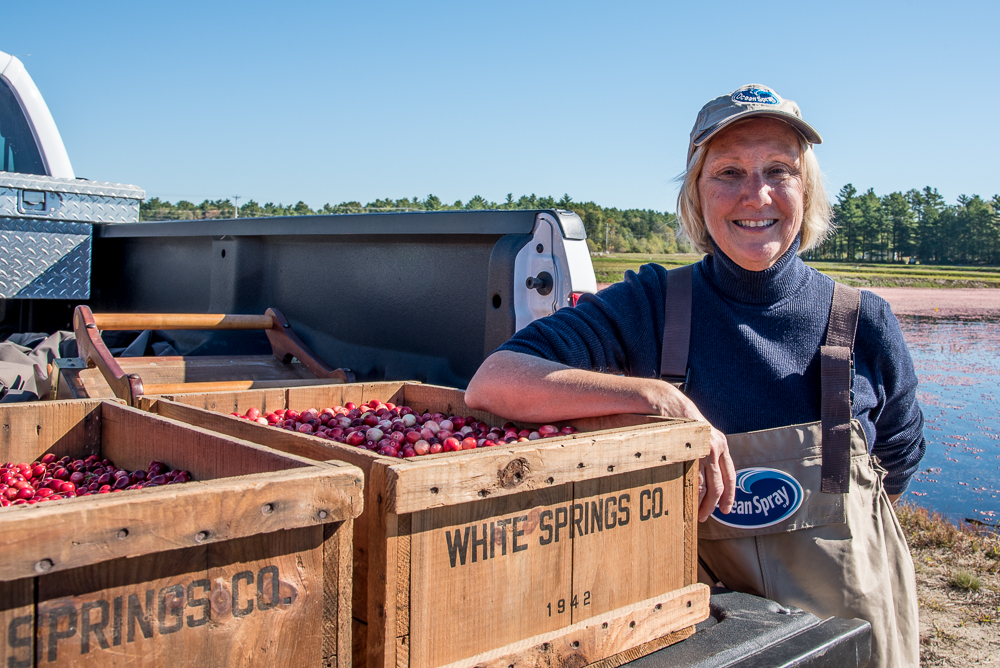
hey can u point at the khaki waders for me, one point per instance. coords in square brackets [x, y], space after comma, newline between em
[841, 552]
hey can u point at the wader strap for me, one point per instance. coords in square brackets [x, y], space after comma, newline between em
[676, 326]
[835, 375]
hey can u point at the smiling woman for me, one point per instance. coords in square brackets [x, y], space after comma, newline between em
[807, 384]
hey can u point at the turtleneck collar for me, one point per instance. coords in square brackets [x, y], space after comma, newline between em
[776, 282]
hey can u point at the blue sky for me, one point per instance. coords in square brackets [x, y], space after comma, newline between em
[334, 101]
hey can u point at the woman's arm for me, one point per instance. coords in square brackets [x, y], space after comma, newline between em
[524, 387]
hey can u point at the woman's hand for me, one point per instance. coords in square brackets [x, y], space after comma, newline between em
[716, 477]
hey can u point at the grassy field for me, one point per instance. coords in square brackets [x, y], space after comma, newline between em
[958, 588]
[611, 269]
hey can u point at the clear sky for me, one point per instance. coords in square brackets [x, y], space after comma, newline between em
[337, 101]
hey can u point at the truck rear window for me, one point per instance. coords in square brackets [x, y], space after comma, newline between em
[16, 140]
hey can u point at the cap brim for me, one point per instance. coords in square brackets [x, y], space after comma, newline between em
[807, 131]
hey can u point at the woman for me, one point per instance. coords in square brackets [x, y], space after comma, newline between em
[809, 389]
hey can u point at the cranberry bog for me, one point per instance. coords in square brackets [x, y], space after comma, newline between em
[570, 550]
[248, 564]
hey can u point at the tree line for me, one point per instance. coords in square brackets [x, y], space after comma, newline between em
[608, 228]
[915, 226]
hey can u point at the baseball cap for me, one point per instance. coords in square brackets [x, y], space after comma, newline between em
[746, 102]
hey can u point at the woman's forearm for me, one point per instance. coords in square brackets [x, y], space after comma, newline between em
[524, 387]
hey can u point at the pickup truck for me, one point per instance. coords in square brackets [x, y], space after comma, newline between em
[419, 296]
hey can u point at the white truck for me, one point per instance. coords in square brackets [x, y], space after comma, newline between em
[420, 296]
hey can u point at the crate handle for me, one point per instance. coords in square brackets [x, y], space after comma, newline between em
[285, 345]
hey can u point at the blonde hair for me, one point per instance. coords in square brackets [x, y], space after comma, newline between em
[817, 222]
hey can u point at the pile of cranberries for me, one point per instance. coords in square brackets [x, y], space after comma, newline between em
[398, 431]
[50, 479]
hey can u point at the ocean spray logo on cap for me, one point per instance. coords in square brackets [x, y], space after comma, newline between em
[763, 497]
[755, 94]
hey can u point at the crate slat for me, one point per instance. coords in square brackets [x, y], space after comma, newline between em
[430, 483]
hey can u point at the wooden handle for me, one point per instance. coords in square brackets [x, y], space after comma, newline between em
[117, 321]
[95, 354]
[284, 344]
[232, 385]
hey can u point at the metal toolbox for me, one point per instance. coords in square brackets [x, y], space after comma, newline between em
[46, 227]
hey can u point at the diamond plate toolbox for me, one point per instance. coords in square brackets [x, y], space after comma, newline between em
[46, 231]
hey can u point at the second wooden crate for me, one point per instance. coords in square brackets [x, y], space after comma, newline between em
[567, 550]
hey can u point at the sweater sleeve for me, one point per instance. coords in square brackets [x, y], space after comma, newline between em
[899, 422]
[617, 330]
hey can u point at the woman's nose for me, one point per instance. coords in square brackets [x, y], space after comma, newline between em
[756, 190]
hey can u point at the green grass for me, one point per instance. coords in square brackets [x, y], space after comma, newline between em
[965, 581]
[611, 269]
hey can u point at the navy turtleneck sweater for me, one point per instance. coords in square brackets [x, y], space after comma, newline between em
[754, 355]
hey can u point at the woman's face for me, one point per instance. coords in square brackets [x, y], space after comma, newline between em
[752, 191]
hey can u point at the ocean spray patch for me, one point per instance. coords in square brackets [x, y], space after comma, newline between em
[763, 497]
[755, 95]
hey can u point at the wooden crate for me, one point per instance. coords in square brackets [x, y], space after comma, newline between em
[247, 565]
[562, 551]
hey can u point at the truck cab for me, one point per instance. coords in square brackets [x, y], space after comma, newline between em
[30, 140]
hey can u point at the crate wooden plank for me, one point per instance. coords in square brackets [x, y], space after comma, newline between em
[241, 602]
[359, 637]
[471, 589]
[382, 573]
[600, 637]
[625, 546]
[333, 395]
[642, 650]
[403, 576]
[130, 523]
[228, 402]
[279, 439]
[128, 435]
[337, 584]
[691, 521]
[68, 427]
[17, 622]
[428, 483]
